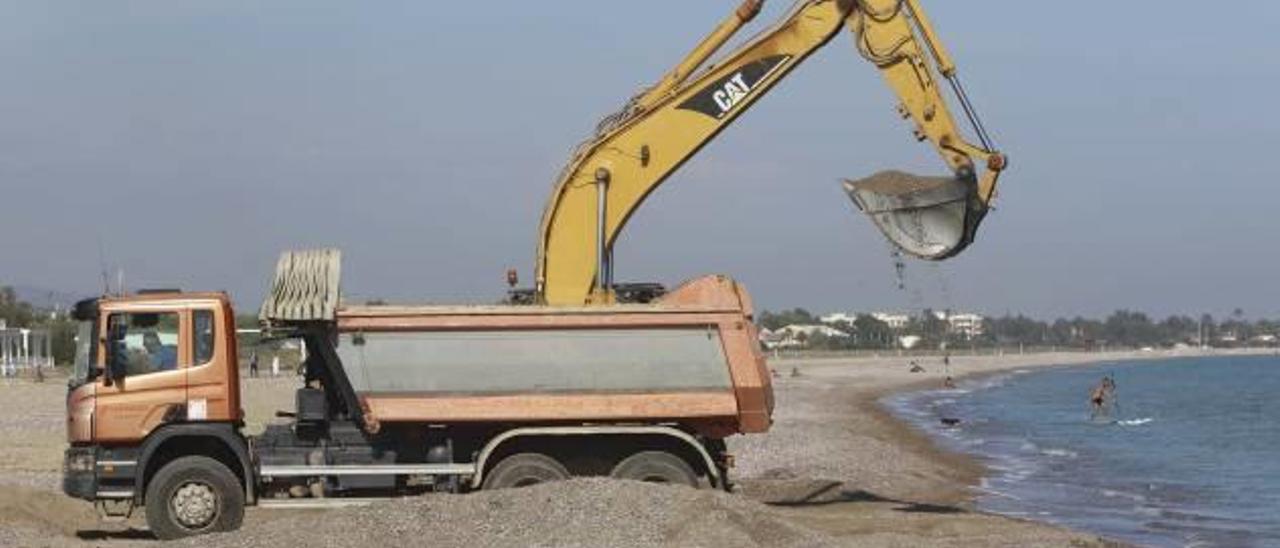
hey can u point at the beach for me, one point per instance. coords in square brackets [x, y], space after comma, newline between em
[836, 469]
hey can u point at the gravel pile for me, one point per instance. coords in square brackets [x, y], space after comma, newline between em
[40, 517]
[579, 512]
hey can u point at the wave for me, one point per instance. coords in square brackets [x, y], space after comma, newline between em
[1112, 493]
[1135, 422]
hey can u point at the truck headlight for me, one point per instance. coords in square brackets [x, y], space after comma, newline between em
[80, 462]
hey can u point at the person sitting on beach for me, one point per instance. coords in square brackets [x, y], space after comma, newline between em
[949, 383]
[915, 367]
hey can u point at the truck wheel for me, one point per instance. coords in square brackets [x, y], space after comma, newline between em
[192, 496]
[525, 469]
[656, 467]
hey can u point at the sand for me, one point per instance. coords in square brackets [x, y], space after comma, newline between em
[835, 470]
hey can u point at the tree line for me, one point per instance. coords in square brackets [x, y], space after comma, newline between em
[1120, 329]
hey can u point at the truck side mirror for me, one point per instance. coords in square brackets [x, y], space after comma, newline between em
[117, 353]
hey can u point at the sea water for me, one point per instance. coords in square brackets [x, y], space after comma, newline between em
[1189, 456]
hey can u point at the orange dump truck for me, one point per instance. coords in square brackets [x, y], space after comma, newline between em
[397, 400]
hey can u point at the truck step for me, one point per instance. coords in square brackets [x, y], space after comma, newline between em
[116, 508]
[312, 504]
[282, 471]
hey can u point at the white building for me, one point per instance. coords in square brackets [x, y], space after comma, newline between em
[24, 348]
[796, 335]
[839, 317]
[810, 330]
[893, 319]
[963, 324]
[966, 325]
[774, 340]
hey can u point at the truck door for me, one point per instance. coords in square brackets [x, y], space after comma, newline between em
[155, 388]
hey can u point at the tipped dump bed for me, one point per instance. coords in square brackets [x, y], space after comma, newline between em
[692, 357]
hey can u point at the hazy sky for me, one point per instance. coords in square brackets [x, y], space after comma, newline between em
[196, 140]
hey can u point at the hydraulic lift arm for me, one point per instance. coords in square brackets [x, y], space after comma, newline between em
[636, 149]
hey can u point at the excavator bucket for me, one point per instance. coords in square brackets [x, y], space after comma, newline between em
[931, 218]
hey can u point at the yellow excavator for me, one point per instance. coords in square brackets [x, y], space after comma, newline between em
[637, 148]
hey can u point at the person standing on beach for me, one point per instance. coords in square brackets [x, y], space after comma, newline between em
[253, 364]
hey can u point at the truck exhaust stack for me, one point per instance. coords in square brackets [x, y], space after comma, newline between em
[932, 218]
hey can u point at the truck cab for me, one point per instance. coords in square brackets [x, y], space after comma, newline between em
[155, 379]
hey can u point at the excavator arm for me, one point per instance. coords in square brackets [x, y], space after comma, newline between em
[636, 149]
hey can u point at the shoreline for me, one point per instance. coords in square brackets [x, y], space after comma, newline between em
[953, 476]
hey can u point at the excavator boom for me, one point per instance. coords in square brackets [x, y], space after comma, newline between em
[634, 150]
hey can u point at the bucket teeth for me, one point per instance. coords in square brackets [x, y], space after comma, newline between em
[928, 217]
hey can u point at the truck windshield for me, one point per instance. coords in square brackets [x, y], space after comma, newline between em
[80, 368]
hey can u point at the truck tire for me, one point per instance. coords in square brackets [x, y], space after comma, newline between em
[525, 469]
[656, 467]
[192, 496]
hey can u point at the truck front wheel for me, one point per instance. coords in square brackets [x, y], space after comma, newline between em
[192, 496]
[656, 467]
[524, 469]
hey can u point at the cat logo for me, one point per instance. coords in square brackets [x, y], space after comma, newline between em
[733, 91]
[720, 97]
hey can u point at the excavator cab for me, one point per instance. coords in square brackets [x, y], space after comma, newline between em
[932, 218]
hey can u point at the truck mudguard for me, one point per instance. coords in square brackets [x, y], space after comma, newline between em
[224, 433]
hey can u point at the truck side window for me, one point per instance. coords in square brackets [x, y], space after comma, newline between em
[204, 336]
[151, 341]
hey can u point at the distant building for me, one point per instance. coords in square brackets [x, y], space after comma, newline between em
[839, 317]
[962, 324]
[894, 320]
[774, 340]
[771, 339]
[796, 335]
[965, 325]
[811, 330]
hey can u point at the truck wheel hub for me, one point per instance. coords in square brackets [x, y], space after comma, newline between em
[195, 505]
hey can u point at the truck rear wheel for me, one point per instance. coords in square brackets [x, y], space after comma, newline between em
[525, 469]
[656, 467]
[192, 496]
